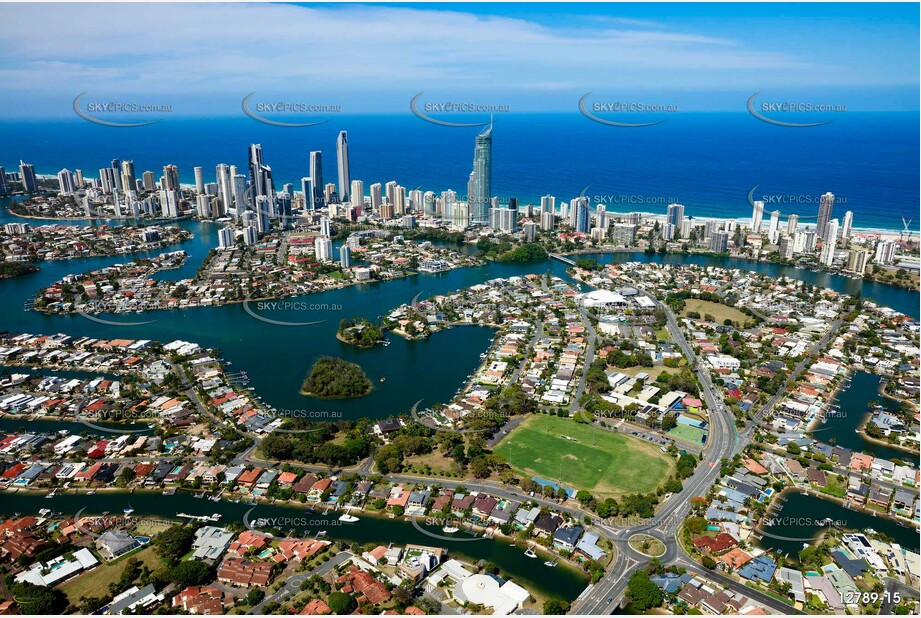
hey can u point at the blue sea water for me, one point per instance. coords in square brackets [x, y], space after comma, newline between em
[708, 161]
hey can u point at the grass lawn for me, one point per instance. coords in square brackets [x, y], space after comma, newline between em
[437, 461]
[653, 372]
[648, 545]
[718, 311]
[662, 334]
[95, 583]
[835, 486]
[605, 463]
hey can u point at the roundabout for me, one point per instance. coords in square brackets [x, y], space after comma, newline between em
[647, 545]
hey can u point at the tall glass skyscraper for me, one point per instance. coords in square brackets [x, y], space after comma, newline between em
[342, 159]
[260, 177]
[825, 205]
[316, 178]
[481, 179]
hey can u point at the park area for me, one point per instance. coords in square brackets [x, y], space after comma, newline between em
[583, 456]
[720, 313]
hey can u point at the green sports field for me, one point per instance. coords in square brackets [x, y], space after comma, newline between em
[604, 463]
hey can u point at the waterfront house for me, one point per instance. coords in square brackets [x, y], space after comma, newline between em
[461, 504]
[318, 489]
[759, 569]
[547, 525]
[248, 478]
[304, 485]
[588, 546]
[114, 543]
[902, 501]
[567, 538]
[854, 567]
[880, 495]
[442, 500]
[816, 477]
[286, 479]
[417, 501]
[265, 479]
[795, 579]
[526, 517]
[857, 490]
[210, 542]
[248, 541]
[483, 506]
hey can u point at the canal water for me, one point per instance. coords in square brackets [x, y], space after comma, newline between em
[854, 402]
[559, 582]
[799, 519]
[277, 358]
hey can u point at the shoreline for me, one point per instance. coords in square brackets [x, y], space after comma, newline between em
[888, 233]
[320, 510]
[821, 532]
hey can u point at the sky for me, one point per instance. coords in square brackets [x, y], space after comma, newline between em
[202, 59]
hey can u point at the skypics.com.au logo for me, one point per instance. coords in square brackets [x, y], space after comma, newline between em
[91, 309]
[97, 111]
[422, 110]
[261, 111]
[259, 308]
[794, 109]
[452, 528]
[126, 418]
[615, 113]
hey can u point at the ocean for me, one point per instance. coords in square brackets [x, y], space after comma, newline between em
[711, 162]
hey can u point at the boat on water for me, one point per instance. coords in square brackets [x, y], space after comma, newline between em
[321, 534]
[383, 379]
[51, 495]
[43, 512]
[348, 518]
[450, 529]
[550, 563]
[128, 510]
[91, 492]
[530, 553]
[169, 492]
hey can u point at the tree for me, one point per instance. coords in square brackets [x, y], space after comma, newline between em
[642, 593]
[341, 603]
[34, 599]
[254, 596]
[172, 544]
[191, 573]
[555, 607]
[708, 562]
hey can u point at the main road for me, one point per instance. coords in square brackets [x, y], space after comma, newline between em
[724, 441]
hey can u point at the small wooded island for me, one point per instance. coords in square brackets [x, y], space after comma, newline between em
[8, 270]
[360, 332]
[334, 378]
